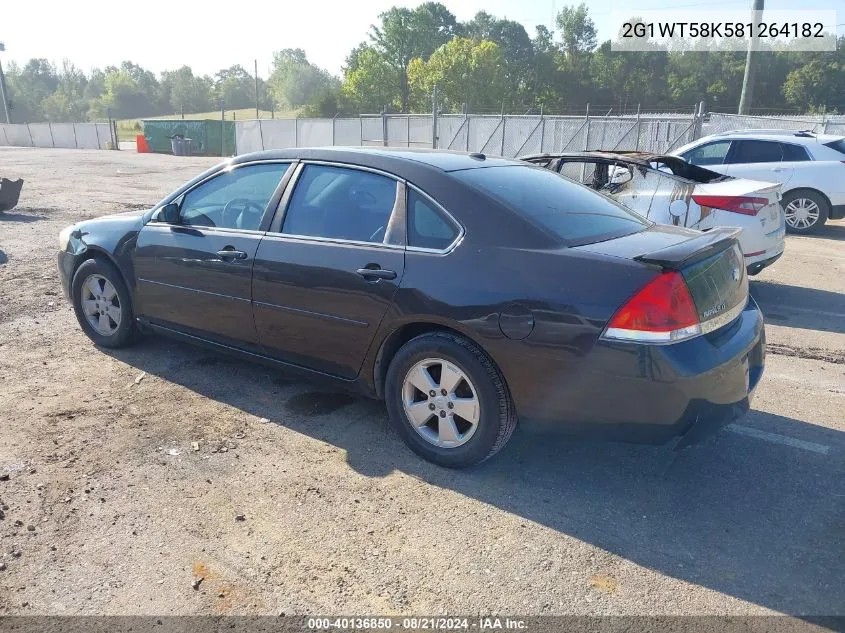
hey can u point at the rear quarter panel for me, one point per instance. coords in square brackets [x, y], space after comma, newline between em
[553, 304]
[825, 176]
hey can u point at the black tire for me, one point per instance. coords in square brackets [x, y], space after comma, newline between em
[814, 196]
[126, 331]
[497, 417]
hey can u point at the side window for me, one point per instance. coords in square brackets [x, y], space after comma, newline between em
[794, 153]
[427, 227]
[235, 199]
[757, 152]
[709, 154]
[340, 203]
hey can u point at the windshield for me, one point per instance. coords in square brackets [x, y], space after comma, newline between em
[572, 212]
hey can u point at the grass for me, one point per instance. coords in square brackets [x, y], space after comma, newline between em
[127, 129]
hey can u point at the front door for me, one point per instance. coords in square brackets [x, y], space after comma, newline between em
[324, 281]
[195, 275]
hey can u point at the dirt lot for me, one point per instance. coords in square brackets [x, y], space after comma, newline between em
[111, 509]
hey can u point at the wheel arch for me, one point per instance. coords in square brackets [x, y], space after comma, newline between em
[811, 190]
[402, 333]
[96, 252]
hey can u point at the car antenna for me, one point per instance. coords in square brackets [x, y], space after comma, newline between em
[478, 156]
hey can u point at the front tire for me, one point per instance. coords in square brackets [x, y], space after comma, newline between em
[805, 211]
[448, 401]
[102, 304]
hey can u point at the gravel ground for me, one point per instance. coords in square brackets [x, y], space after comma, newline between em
[164, 479]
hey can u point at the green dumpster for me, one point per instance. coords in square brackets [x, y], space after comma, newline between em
[208, 137]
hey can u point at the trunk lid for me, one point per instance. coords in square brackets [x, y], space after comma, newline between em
[711, 263]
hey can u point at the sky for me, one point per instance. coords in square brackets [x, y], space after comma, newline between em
[166, 34]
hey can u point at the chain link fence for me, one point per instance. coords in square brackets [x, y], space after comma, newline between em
[496, 135]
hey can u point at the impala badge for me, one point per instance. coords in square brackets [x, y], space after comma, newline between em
[714, 310]
[735, 274]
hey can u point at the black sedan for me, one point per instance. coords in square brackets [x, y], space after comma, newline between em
[465, 291]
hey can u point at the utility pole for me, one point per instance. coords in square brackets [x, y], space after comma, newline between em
[435, 105]
[3, 87]
[256, 89]
[751, 61]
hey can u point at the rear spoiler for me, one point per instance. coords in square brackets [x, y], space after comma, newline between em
[694, 249]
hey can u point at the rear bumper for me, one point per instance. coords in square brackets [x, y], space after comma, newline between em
[654, 393]
[759, 265]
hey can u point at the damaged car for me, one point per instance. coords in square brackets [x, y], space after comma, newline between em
[669, 190]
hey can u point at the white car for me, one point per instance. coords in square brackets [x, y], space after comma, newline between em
[811, 168]
[668, 190]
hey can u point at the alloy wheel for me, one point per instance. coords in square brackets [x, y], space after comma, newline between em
[441, 402]
[100, 304]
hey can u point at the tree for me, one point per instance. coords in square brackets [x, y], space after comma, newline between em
[819, 83]
[235, 87]
[406, 34]
[714, 76]
[627, 78]
[29, 86]
[577, 30]
[578, 35]
[68, 102]
[464, 71]
[185, 92]
[295, 81]
[371, 81]
[546, 75]
[130, 92]
[517, 53]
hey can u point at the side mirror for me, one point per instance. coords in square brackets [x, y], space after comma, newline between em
[677, 208]
[169, 213]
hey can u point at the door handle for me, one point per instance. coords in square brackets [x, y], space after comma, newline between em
[374, 274]
[777, 168]
[230, 253]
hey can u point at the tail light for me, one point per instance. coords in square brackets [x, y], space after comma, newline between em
[746, 205]
[661, 312]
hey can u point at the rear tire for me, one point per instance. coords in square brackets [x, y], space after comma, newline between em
[103, 305]
[467, 424]
[805, 211]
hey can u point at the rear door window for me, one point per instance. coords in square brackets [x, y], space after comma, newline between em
[756, 152]
[574, 213]
[794, 153]
[340, 203]
[427, 226]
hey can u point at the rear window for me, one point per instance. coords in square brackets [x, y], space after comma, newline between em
[839, 145]
[574, 213]
[794, 153]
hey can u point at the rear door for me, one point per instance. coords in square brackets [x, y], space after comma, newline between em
[328, 268]
[195, 276]
[760, 160]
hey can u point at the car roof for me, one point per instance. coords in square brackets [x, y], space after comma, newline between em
[384, 157]
[791, 136]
